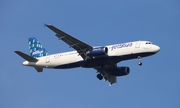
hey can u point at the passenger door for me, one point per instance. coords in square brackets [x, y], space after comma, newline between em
[47, 59]
[137, 44]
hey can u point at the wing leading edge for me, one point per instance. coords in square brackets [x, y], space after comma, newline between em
[78, 45]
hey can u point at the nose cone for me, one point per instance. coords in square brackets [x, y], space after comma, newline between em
[157, 48]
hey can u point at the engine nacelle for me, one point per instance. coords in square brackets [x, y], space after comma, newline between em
[120, 71]
[97, 51]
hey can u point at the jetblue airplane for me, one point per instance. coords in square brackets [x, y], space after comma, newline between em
[103, 59]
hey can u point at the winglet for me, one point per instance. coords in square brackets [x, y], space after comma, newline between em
[26, 57]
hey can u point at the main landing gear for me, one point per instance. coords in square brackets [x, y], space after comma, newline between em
[139, 61]
[99, 76]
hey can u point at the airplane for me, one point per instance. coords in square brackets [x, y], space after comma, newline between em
[103, 59]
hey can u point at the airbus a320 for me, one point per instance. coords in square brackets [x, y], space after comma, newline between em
[103, 59]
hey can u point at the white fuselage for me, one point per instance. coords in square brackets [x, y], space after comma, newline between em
[116, 53]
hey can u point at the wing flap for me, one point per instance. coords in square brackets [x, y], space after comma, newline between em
[112, 80]
[105, 70]
[39, 69]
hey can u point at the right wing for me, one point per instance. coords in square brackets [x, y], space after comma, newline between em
[78, 45]
[105, 72]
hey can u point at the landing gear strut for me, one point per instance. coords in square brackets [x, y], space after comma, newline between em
[99, 76]
[139, 61]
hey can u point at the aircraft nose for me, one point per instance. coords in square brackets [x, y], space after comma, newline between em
[157, 48]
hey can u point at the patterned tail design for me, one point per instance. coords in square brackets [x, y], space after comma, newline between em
[35, 48]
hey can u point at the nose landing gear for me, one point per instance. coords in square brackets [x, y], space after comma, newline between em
[139, 61]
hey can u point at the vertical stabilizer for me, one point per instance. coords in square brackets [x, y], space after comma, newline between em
[35, 48]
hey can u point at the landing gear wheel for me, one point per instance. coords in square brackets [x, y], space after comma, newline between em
[99, 76]
[140, 63]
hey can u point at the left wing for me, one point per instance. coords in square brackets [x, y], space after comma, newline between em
[78, 45]
[81, 48]
[105, 72]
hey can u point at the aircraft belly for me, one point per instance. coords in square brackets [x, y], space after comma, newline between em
[101, 61]
[69, 62]
[113, 59]
[69, 65]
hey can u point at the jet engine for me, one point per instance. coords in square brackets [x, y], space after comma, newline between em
[97, 51]
[120, 71]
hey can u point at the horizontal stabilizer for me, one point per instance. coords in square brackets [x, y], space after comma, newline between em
[39, 69]
[26, 57]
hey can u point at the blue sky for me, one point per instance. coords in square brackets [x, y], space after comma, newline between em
[103, 22]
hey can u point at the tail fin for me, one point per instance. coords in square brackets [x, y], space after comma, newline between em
[35, 48]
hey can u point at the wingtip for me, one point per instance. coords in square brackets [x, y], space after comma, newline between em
[47, 25]
[16, 51]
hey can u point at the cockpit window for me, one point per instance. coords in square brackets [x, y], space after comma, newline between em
[148, 42]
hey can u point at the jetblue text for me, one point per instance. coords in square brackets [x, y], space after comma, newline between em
[121, 46]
